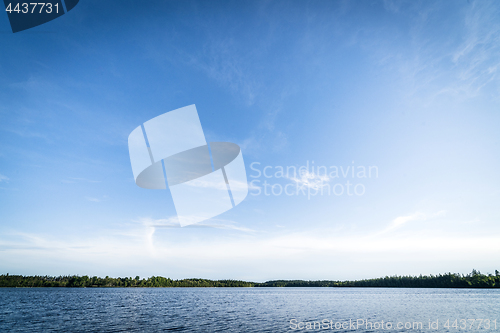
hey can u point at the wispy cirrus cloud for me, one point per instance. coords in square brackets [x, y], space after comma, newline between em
[101, 199]
[400, 221]
[477, 58]
[207, 184]
[431, 59]
[173, 222]
[4, 178]
[310, 180]
[170, 222]
[72, 180]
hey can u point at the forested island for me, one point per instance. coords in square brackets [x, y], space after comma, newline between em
[449, 280]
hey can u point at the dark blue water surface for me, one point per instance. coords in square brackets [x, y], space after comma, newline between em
[246, 309]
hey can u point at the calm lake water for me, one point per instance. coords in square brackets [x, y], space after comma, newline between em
[247, 309]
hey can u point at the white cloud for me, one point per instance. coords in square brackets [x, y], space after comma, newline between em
[392, 5]
[3, 178]
[400, 220]
[237, 186]
[72, 180]
[310, 180]
[92, 199]
[181, 253]
[172, 221]
[206, 184]
[417, 216]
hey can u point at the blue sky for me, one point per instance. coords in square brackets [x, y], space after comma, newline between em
[409, 87]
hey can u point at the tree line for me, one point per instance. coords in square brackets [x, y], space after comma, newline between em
[449, 280]
[94, 282]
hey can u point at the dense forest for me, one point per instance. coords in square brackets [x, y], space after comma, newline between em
[85, 281]
[449, 280]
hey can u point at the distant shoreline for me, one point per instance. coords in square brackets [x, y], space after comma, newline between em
[473, 280]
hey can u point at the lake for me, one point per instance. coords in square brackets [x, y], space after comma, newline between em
[248, 310]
